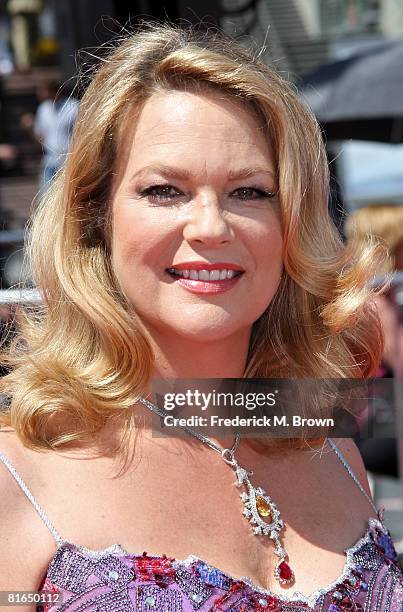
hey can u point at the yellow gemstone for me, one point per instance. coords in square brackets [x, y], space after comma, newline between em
[262, 506]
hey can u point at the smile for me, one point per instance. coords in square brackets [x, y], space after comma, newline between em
[215, 280]
[205, 275]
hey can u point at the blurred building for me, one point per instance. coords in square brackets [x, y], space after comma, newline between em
[299, 35]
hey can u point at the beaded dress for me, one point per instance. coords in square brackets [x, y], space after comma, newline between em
[114, 580]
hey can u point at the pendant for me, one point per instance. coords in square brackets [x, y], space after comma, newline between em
[264, 516]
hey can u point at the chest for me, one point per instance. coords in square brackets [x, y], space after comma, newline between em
[190, 504]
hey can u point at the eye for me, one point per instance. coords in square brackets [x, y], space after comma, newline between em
[166, 193]
[252, 193]
[158, 193]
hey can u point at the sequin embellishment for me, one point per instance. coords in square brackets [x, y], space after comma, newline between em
[120, 582]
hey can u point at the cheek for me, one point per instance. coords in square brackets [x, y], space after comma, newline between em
[137, 239]
[269, 272]
[267, 248]
[268, 255]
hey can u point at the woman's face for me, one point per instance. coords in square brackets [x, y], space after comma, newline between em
[196, 235]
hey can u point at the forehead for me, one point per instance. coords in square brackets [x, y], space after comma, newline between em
[179, 123]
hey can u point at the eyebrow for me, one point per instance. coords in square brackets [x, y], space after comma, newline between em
[182, 174]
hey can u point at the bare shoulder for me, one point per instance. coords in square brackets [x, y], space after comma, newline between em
[18, 571]
[353, 456]
[12, 502]
[13, 450]
[17, 460]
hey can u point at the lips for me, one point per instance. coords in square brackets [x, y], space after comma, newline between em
[201, 277]
[201, 270]
[204, 274]
[200, 265]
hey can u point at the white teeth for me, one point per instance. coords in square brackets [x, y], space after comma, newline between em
[204, 275]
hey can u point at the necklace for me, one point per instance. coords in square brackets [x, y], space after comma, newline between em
[259, 508]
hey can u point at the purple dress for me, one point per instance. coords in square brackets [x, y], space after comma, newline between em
[114, 580]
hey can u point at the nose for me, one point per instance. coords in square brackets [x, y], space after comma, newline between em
[207, 223]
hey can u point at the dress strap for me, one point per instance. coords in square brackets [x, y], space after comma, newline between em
[350, 471]
[31, 498]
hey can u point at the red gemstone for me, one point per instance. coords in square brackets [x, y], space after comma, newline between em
[285, 571]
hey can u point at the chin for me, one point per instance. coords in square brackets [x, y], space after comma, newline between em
[204, 335]
[201, 330]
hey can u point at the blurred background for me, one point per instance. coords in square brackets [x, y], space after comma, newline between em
[346, 59]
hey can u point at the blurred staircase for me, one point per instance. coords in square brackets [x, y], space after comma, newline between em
[278, 32]
[302, 52]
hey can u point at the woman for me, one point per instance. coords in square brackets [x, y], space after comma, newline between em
[385, 223]
[188, 155]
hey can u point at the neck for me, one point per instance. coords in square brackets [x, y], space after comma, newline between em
[181, 358]
[184, 358]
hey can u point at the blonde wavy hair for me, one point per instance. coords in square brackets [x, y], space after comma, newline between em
[81, 359]
[385, 222]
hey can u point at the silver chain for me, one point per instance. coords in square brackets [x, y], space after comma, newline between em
[252, 497]
[228, 454]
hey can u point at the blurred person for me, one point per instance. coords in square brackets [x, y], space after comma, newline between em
[8, 157]
[8, 152]
[53, 124]
[6, 58]
[24, 30]
[188, 236]
[385, 223]
[8, 160]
